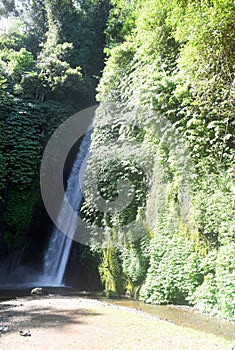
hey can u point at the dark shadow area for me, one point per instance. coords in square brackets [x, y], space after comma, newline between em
[7, 294]
[82, 269]
[5, 307]
[40, 317]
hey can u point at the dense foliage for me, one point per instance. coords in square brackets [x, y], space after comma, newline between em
[171, 67]
[163, 140]
[50, 62]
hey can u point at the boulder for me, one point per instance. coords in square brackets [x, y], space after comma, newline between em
[38, 291]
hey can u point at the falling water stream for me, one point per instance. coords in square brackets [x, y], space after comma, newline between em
[59, 246]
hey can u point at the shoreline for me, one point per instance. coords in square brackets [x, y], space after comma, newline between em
[83, 323]
[180, 315]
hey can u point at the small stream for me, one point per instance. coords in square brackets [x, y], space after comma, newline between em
[183, 316]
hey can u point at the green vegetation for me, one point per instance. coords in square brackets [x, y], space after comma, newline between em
[168, 85]
[49, 68]
[164, 128]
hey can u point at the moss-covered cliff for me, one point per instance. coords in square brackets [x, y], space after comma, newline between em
[168, 88]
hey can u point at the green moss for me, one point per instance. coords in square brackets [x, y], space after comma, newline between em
[111, 271]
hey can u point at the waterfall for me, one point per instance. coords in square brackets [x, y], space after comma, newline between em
[58, 250]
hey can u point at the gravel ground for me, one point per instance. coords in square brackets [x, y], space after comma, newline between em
[77, 323]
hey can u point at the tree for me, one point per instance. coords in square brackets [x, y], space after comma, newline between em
[34, 15]
[8, 8]
[121, 21]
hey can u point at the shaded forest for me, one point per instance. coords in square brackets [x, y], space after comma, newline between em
[167, 88]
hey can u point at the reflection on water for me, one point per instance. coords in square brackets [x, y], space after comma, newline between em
[184, 316]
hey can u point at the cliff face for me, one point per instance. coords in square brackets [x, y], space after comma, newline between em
[166, 124]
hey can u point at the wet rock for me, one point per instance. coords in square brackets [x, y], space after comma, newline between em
[38, 291]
